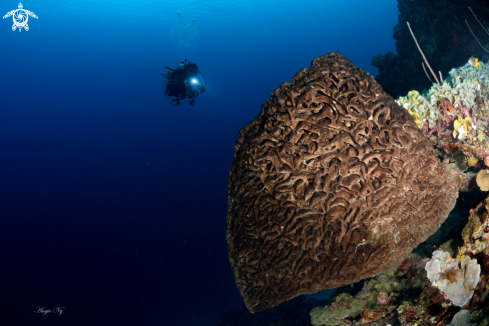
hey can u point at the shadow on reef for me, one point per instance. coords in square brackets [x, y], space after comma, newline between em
[450, 231]
[443, 36]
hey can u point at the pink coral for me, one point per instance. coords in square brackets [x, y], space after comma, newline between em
[405, 265]
[426, 126]
[382, 298]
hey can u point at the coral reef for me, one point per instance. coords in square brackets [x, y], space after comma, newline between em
[437, 291]
[332, 183]
[411, 300]
[476, 234]
[455, 117]
[345, 306]
[459, 105]
[442, 34]
[381, 290]
[447, 237]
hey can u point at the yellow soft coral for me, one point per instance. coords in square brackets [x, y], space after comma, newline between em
[413, 96]
[457, 124]
[417, 120]
[461, 127]
[467, 124]
[471, 161]
[410, 102]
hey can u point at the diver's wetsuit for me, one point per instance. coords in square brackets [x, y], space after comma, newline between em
[183, 82]
[178, 88]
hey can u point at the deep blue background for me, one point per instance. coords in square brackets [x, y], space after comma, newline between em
[112, 201]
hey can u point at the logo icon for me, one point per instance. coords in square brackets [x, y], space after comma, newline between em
[20, 17]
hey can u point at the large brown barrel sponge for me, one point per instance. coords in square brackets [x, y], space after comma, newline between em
[332, 183]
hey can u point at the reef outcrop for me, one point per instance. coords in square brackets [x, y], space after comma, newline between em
[454, 116]
[423, 291]
[443, 36]
[331, 183]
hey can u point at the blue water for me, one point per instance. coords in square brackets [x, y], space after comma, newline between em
[112, 201]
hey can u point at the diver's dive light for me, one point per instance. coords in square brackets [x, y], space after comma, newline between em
[194, 80]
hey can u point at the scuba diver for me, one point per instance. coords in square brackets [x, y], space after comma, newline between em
[185, 81]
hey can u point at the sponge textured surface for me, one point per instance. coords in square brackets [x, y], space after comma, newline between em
[333, 182]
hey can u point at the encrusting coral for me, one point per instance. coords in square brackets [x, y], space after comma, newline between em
[476, 234]
[410, 300]
[380, 291]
